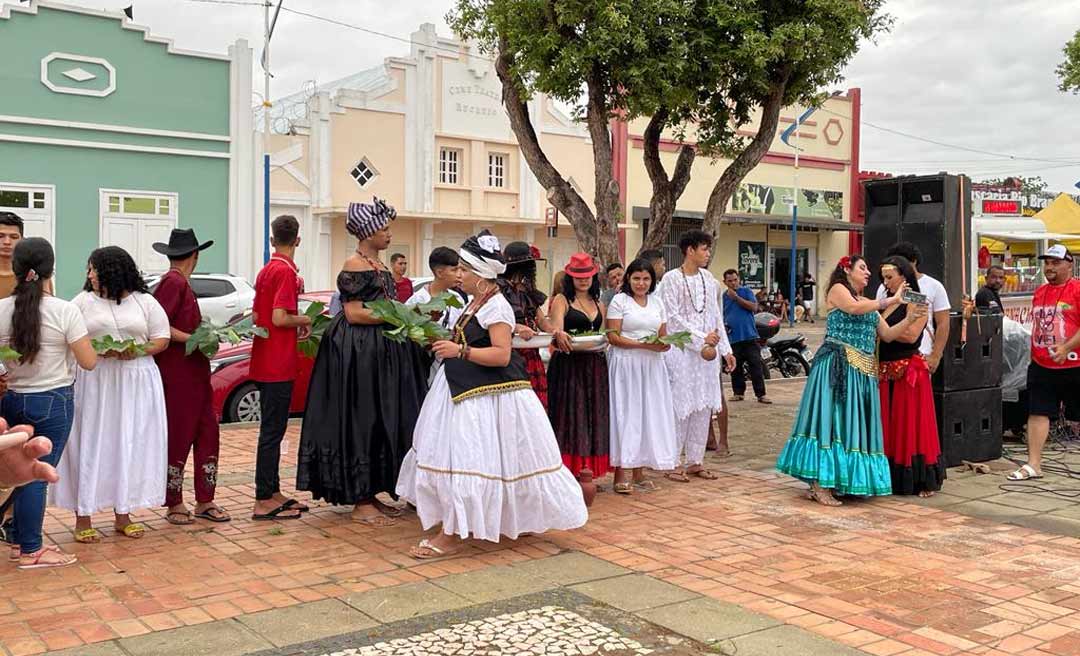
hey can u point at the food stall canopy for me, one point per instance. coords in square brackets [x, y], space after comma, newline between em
[1029, 236]
[1062, 215]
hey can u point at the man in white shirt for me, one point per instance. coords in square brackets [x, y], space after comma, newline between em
[445, 265]
[936, 334]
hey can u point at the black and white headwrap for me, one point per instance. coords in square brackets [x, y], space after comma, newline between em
[482, 255]
[364, 220]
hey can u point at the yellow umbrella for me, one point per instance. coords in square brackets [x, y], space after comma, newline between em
[1062, 215]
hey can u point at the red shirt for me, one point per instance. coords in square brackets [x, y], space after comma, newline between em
[403, 289]
[274, 359]
[1055, 317]
[186, 376]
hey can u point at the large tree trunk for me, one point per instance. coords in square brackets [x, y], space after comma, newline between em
[596, 233]
[665, 192]
[746, 160]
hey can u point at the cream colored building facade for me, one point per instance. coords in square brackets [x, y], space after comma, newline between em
[427, 132]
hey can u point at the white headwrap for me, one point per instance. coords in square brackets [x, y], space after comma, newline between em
[481, 253]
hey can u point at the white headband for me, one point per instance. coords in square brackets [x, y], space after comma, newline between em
[484, 267]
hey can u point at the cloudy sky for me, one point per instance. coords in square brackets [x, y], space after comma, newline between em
[975, 75]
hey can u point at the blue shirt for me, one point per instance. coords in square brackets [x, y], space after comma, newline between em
[739, 320]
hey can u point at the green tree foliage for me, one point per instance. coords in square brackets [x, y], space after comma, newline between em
[700, 70]
[1068, 71]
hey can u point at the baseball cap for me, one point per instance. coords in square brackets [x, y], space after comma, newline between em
[1057, 252]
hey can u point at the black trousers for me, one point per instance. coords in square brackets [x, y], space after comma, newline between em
[748, 352]
[274, 401]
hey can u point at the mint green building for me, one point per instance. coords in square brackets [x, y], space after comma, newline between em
[109, 135]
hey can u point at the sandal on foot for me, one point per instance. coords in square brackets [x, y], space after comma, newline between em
[214, 514]
[375, 521]
[275, 514]
[678, 477]
[185, 518]
[88, 536]
[737, 397]
[386, 509]
[134, 530]
[427, 551]
[293, 503]
[646, 485]
[1025, 473]
[707, 474]
[33, 561]
[623, 488]
[825, 499]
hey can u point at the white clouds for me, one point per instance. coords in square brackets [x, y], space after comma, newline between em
[978, 73]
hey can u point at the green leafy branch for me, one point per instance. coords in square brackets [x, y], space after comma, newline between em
[208, 337]
[8, 354]
[108, 343]
[679, 340]
[310, 347]
[414, 321]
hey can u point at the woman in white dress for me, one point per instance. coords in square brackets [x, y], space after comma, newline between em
[116, 456]
[642, 418]
[484, 461]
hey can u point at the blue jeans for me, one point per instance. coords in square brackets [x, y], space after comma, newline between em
[51, 414]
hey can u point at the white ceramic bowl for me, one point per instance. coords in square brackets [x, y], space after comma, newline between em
[589, 344]
[540, 340]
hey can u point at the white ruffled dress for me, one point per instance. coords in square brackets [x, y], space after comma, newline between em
[488, 466]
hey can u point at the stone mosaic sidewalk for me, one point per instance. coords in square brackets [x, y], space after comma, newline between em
[741, 565]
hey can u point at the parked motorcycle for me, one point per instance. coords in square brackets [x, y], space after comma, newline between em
[787, 354]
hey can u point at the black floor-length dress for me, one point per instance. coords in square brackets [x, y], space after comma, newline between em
[363, 400]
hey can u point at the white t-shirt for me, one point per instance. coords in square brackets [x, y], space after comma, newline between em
[54, 367]
[450, 317]
[138, 316]
[637, 322]
[938, 299]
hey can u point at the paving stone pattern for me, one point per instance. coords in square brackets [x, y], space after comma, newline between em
[887, 576]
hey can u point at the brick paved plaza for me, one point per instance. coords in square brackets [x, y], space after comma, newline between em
[741, 565]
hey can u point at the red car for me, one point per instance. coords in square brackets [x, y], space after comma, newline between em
[236, 398]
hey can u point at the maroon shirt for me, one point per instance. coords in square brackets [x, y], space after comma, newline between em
[177, 369]
[403, 289]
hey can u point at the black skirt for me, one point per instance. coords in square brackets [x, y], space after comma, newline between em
[363, 400]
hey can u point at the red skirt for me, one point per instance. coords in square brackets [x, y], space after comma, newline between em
[909, 424]
[537, 374]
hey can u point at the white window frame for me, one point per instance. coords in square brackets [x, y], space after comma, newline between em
[497, 170]
[450, 168]
[367, 163]
[50, 203]
[104, 212]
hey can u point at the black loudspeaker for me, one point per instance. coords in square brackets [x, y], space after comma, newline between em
[969, 424]
[931, 211]
[974, 364]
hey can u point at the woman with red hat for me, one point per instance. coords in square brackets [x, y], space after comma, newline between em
[518, 286]
[578, 380]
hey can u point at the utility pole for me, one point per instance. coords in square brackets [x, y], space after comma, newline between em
[268, 32]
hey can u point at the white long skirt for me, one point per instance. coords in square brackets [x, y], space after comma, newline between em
[488, 466]
[116, 454]
[642, 418]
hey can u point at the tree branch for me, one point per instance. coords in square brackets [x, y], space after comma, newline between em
[665, 191]
[750, 157]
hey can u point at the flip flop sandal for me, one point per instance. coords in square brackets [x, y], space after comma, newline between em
[434, 552]
[177, 513]
[133, 530]
[646, 486]
[624, 488]
[678, 477]
[88, 536]
[704, 473]
[215, 514]
[387, 509]
[36, 563]
[376, 521]
[1025, 473]
[293, 503]
[814, 496]
[274, 514]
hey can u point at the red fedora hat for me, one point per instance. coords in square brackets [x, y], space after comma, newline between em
[581, 265]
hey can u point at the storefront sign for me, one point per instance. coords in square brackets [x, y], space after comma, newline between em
[776, 201]
[1018, 308]
[752, 263]
[1002, 206]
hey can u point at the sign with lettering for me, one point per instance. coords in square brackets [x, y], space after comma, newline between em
[752, 198]
[472, 101]
[752, 263]
[1002, 206]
